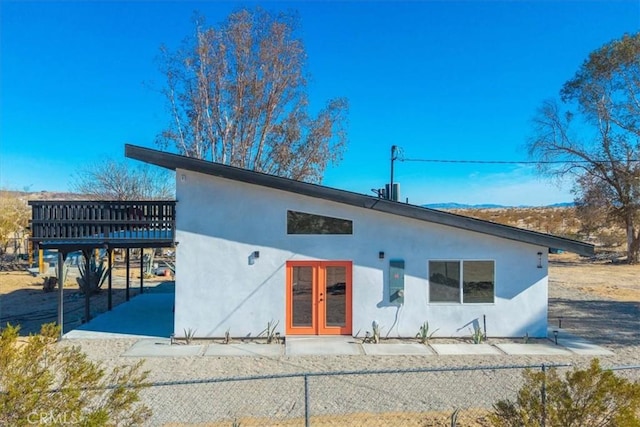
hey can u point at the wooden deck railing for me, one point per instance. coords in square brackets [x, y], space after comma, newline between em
[102, 220]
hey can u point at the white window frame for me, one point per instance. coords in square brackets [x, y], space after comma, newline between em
[461, 282]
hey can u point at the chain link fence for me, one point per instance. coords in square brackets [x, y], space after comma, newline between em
[425, 397]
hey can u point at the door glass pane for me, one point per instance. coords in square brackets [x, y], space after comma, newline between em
[335, 296]
[302, 296]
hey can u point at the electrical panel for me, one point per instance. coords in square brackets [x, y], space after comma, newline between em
[396, 281]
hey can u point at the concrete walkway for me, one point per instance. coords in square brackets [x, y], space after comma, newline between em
[144, 316]
[149, 318]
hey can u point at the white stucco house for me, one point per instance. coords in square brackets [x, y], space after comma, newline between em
[254, 248]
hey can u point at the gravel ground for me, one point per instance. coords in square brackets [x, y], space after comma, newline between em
[609, 323]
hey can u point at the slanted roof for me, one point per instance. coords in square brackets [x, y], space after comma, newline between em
[174, 161]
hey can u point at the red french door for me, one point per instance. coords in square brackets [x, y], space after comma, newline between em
[318, 298]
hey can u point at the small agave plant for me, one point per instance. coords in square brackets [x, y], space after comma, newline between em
[372, 337]
[93, 273]
[424, 335]
[189, 335]
[477, 336]
[270, 332]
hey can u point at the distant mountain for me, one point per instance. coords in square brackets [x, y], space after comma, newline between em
[561, 205]
[452, 205]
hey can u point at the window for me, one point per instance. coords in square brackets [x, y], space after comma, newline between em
[306, 223]
[467, 282]
[444, 281]
[478, 281]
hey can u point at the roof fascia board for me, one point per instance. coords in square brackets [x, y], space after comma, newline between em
[174, 162]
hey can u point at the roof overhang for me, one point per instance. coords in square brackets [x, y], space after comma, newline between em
[174, 161]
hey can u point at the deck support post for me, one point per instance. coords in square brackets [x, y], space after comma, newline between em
[127, 287]
[141, 270]
[110, 267]
[61, 257]
[86, 258]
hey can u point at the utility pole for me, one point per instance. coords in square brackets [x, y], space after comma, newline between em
[394, 157]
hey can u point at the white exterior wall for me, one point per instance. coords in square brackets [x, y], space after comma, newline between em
[221, 222]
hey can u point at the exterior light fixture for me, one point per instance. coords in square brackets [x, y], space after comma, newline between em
[381, 255]
[539, 259]
[256, 254]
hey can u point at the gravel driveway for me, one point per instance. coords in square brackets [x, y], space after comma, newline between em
[612, 324]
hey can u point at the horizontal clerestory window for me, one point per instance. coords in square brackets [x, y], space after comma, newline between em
[466, 282]
[306, 223]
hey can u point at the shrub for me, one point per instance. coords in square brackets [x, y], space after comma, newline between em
[45, 383]
[583, 398]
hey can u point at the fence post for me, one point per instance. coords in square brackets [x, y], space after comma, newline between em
[306, 401]
[543, 395]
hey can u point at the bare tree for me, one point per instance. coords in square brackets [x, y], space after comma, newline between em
[113, 180]
[597, 137]
[237, 96]
[14, 218]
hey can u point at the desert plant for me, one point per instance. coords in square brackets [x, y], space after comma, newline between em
[583, 398]
[477, 336]
[423, 334]
[93, 272]
[270, 332]
[375, 329]
[49, 283]
[46, 383]
[372, 337]
[148, 259]
[189, 334]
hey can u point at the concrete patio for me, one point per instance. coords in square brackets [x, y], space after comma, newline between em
[149, 318]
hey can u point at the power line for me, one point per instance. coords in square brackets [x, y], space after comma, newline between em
[512, 162]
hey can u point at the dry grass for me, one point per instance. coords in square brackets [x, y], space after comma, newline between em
[468, 418]
[604, 279]
[560, 221]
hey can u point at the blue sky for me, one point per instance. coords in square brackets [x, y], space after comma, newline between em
[441, 80]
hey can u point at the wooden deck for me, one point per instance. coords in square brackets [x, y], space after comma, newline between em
[76, 225]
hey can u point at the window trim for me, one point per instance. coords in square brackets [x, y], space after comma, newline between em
[460, 301]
